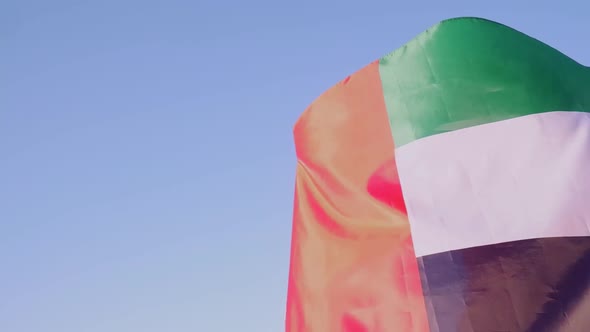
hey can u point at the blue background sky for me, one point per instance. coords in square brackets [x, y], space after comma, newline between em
[146, 155]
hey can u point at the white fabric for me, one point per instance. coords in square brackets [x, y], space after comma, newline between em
[522, 178]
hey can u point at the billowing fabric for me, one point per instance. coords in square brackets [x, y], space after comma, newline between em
[444, 188]
[352, 264]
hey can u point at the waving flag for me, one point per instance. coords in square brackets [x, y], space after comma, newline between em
[445, 188]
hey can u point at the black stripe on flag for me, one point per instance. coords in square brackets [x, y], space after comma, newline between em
[533, 285]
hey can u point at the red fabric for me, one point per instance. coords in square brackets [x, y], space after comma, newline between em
[353, 268]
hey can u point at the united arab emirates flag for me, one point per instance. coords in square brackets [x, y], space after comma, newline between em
[446, 187]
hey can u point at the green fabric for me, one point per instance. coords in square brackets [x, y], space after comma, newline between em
[468, 71]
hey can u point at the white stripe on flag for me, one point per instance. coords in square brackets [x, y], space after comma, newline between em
[523, 178]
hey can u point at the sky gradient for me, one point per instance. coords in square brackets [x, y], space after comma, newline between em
[146, 152]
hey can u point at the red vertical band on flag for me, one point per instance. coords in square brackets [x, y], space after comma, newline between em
[353, 268]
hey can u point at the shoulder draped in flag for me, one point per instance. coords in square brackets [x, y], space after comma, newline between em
[446, 188]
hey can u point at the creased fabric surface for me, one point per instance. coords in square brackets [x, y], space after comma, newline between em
[353, 268]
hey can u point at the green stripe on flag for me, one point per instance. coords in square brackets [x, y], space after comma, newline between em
[469, 71]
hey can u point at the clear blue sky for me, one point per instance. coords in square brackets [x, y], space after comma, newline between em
[146, 150]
